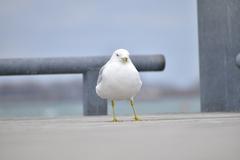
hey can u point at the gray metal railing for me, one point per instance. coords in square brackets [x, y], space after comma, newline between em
[88, 66]
[219, 59]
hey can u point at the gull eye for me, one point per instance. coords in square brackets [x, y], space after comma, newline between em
[117, 55]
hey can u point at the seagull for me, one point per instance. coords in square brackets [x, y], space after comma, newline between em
[119, 80]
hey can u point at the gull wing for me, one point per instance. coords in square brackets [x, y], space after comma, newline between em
[100, 74]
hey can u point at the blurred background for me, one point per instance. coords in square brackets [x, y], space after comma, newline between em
[58, 28]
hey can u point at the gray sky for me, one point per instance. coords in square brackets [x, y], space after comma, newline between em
[49, 28]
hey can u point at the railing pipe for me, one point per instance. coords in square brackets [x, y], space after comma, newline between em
[32, 66]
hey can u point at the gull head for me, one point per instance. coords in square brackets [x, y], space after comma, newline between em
[121, 55]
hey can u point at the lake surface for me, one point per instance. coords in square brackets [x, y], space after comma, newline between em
[73, 108]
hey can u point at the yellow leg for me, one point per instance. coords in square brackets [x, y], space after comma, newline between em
[136, 118]
[113, 111]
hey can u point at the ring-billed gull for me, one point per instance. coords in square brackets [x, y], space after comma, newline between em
[119, 80]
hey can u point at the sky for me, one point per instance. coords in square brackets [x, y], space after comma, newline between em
[58, 28]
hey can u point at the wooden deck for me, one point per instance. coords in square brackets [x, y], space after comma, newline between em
[212, 136]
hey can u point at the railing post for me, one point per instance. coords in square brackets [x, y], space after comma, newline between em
[92, 104]
[219, 45]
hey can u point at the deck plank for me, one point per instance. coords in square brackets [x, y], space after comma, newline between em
[168, 136]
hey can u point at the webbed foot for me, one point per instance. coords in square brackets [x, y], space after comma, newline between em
[136, 118]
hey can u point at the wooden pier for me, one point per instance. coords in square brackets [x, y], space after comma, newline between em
[202, 136]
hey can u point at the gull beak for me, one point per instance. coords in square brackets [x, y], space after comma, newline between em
[124, 59]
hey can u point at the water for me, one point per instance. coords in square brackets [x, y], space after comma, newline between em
[71, 108]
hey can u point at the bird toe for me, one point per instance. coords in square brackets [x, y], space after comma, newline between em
[136, 119]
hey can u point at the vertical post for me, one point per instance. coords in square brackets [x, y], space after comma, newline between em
[219, 45]
[92, 104]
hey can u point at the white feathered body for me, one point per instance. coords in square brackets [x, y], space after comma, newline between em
[119, 81]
